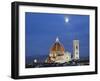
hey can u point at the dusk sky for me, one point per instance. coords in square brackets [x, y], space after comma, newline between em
[43, 28]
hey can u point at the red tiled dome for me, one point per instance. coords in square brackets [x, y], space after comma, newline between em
[57, 46]
[57, 50]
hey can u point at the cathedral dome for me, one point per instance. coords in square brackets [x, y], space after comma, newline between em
[57, 46]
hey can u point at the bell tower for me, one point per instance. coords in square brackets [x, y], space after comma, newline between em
[75, 49]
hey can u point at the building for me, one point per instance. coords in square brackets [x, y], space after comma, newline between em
[57, 53]
[75, 49]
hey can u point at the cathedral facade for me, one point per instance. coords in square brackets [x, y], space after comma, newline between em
[59, 55]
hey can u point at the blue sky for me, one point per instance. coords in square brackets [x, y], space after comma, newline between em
[43, 28]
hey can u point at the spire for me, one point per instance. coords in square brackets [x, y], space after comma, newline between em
[57, 39]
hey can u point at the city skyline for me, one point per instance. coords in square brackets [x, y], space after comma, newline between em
[43, 28]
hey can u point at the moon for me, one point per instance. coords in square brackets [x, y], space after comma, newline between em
[66, 19]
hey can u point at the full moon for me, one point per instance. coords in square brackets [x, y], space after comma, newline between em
[66, 20]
